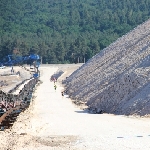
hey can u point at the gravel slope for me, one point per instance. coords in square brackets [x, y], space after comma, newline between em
[112, 79]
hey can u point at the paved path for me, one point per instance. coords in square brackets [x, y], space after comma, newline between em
[56, 116]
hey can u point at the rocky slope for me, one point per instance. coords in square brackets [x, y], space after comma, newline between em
[117, 80]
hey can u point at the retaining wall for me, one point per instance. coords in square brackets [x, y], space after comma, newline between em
[19, 95]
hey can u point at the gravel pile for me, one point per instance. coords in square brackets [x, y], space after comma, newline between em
[116, 80]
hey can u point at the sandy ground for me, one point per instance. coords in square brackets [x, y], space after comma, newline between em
[13, 79]
[53, 122]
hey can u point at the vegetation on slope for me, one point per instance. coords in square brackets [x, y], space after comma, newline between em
[66, 31]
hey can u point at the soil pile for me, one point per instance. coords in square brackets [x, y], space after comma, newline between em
[116, 80]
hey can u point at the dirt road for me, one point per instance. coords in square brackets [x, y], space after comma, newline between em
[53, 122]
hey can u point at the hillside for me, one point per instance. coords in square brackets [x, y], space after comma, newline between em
[66, 31]
[117, 80]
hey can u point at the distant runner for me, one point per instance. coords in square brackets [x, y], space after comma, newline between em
[55, 87]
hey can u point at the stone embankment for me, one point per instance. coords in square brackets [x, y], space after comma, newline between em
[116, 80]
[18, 98]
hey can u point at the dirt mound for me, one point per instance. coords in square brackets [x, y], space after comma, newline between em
[116, 80]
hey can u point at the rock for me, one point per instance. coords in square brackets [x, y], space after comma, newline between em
[111, 80]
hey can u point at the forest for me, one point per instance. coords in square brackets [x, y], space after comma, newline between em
[66, 31]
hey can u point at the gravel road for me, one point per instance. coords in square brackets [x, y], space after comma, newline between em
[53, 122]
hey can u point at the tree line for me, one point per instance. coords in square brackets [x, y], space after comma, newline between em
[66, 31]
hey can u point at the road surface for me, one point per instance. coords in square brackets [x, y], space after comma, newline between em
[53, 122]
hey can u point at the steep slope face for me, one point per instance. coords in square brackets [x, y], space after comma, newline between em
[117, 80]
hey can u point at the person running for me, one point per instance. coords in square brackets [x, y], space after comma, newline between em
[55, 87]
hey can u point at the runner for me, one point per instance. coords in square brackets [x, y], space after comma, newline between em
[55, 87]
